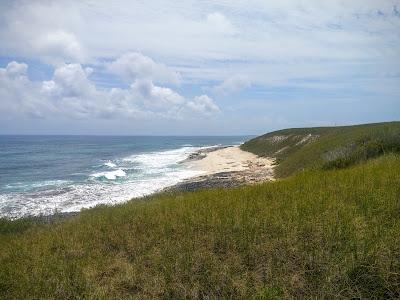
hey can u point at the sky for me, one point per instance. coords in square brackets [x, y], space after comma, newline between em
[223, 67]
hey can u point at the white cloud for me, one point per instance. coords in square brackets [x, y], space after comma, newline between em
[314, 45]
[232, 84]
[69, 80]
[18, 95]
[133, 65]
[58, 46]
[15, 69]
[71, 94]
[155, 97]
[203, 105]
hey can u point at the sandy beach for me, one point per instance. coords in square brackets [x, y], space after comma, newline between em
[227, 167]
[231, 159]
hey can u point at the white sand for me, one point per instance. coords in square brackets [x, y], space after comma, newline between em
[231, 159]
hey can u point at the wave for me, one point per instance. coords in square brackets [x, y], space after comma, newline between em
[111, 175]
[110, 164]
[161, 159]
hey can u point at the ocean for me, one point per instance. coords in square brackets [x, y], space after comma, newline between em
[42, 175]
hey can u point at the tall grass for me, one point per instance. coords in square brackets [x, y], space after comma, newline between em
[319, 234]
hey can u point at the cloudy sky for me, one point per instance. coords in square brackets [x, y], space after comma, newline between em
[196, 67]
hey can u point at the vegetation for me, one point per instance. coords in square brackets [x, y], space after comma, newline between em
[326, 147]
[318, 234]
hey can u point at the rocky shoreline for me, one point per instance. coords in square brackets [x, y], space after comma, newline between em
[202, 153]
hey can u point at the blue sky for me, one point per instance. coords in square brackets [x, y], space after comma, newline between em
[196, 67]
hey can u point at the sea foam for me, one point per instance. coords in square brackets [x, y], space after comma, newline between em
[110, 164]
[111, 175]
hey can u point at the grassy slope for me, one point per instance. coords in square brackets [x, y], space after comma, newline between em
[326, 147]
[317, 234]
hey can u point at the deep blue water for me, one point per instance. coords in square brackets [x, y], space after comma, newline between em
[47, 174]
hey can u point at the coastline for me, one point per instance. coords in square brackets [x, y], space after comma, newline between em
[220, 167]
[225, 167]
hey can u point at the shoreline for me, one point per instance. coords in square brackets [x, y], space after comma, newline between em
[225, 167]
[222, 167]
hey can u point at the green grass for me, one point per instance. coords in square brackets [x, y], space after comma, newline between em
[318, 234]
[326, 147]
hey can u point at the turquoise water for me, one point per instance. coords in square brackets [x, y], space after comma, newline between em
[48, 174]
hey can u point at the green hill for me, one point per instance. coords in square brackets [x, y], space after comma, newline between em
[322, 233]
[325, 147]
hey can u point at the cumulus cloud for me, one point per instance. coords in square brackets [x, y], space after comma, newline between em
[18, 94]
[133, 65]
[203, 105]
[156, 97]
[233, 84]
[58, 45]
[71, 94]
[69, 80]
[15, 69]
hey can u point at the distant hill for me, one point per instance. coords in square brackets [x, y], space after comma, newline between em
[297, 149]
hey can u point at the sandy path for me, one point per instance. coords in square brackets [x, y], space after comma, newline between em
[231, 159]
